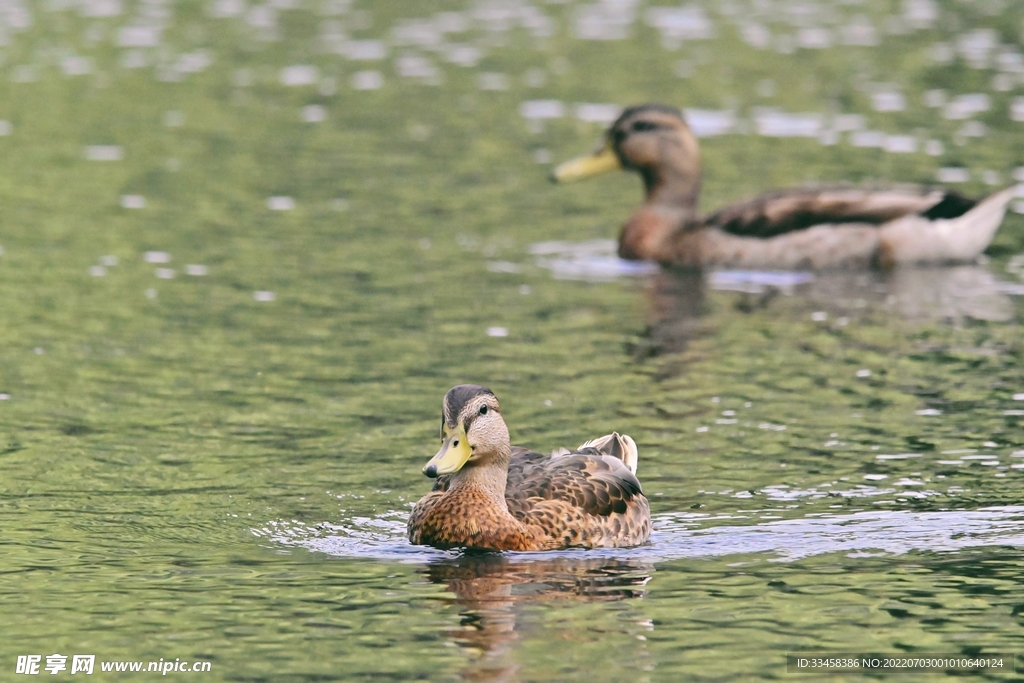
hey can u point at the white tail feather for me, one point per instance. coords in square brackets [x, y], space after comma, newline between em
[916, 239]
[621, 446]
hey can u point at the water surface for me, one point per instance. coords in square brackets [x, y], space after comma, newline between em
[247, 248]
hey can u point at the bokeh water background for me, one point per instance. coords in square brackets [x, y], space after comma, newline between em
[247, 246]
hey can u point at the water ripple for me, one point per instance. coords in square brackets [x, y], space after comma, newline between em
[676, 536]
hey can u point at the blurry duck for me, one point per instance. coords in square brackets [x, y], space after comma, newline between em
[824, 227]
[491, 495]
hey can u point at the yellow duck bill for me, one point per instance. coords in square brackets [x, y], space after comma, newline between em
[601, 161]
[455, 452]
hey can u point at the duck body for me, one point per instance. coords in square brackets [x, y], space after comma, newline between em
[812, 227]
[511, 498]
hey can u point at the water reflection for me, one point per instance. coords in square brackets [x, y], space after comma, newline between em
[953, 295]
[677, 297]
[500, 607]
[676, 309]
[491, 590]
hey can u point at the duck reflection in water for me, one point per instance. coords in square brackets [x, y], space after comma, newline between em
[491, 590]
[679, 304]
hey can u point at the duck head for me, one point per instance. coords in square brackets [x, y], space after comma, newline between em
[655, 141]
[473, 432]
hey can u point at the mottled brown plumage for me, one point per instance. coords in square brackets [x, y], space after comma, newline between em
[814, 227]
[510, 498]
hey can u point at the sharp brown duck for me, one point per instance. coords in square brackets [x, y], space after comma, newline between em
[491, 495]
[822, 227]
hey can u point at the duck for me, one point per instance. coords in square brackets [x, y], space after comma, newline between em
[490, 495]
[799, 228]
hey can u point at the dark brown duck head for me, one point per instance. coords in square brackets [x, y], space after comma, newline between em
[654, 141]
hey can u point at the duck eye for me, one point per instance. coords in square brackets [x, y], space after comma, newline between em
[483, 410]
[643, 126]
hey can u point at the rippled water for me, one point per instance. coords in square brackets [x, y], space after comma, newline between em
[679, 536]
[245, 248]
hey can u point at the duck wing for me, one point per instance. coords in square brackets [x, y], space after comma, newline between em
[595, 482]
[599, 485]
[784, 211]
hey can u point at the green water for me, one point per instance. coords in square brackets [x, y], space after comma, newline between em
[191, 472]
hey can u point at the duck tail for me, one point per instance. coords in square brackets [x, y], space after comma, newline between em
[915, 238]
[618, 445]
[981, 222]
